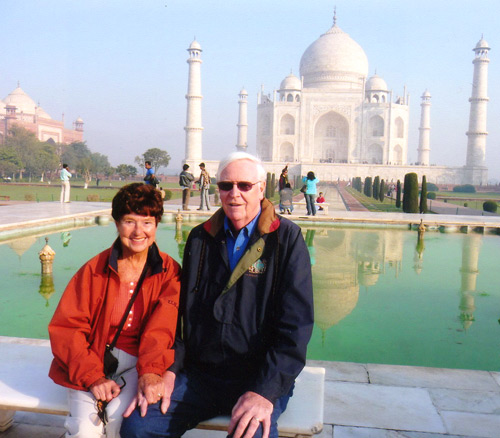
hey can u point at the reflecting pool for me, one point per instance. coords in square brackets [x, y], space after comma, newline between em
[380, 295]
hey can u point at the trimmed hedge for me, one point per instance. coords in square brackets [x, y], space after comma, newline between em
[410, 195]
[431, 195]
[466, 188]
[490, 206]
[431, 187]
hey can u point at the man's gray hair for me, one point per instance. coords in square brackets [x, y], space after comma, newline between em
[237, 156]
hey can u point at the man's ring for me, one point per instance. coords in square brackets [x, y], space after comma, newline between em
[255, 418]
[159, 395]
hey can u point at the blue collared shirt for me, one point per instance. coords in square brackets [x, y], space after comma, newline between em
[236, 246]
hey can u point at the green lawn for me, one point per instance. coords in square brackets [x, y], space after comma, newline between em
[43, 192]
[388, 205]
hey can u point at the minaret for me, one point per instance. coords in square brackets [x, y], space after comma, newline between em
[476, 143]
[242, 143]
[425, 129]
[193, 126]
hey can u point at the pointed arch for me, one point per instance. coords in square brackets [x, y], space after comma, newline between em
[376, 126]
[286, 152]
[400, 127]
[331, 138]
[287, 125]
[375, 154]
[397, 155]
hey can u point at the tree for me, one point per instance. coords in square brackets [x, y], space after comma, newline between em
[46, 160]
[376, 187]
[368, 186]
[10, 161]
[126, 170]
[25, 143]
[398, 194]
[381, 193]
[410, 195]
[157, 157]
[423, 196]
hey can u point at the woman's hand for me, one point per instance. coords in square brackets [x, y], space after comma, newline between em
[105, 389]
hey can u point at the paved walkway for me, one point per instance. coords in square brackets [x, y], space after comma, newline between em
[361, 400]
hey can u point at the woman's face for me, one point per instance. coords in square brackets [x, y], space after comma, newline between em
[137, 233]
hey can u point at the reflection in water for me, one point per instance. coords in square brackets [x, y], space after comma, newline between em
[375, 298]
[346, 259]
[469, 272]
[65, 237]
[47, 288]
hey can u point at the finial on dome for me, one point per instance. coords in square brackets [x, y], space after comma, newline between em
[335, 15]
[18, 84]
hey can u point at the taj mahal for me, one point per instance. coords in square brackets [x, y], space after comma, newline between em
[337, 121]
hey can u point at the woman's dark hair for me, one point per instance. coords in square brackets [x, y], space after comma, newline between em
[310, 175]
[137, 198]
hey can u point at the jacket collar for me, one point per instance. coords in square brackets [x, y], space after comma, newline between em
[154, 260]
[268, 221]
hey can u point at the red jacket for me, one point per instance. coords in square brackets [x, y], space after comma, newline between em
[79, 328]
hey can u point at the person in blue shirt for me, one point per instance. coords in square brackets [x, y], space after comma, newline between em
[245, 316]
[150, 175]
[310, 181]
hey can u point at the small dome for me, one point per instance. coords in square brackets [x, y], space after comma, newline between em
[482, 44]
[426, 94]
[376, 83]
[291, 82]
[79, 120]
[195, 45]
[244, 92]
[333, 58]
[24, 103]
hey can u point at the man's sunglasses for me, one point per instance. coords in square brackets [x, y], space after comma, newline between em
[243, 186]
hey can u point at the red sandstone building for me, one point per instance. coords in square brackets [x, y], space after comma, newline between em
[19, 109]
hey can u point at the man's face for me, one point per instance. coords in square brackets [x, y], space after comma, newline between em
[148, 166]
[240, 206]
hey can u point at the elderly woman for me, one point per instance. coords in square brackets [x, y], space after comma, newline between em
[96, 304]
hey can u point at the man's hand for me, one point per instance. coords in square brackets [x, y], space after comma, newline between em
[105, 389]
[156, 388]
[250, 410]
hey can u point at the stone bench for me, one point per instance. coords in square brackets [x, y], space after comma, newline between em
[25, 386]
[322, 204]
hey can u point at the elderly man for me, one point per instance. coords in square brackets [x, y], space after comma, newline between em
[245, 317]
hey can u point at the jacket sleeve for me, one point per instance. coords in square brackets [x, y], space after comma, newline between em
[156, 352]
[291, 327]
[70, 329]
[179, 346]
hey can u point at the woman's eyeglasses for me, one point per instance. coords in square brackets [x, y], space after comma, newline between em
[243, 186]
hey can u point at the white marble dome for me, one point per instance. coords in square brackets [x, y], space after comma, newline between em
[291, 82]
[376, 83]
[482, 44]
[195, 45]
[24, 103]
[333, 58]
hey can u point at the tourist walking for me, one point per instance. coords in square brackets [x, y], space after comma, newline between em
[310, 182]
[185, 181]
[204, 183]
[65, 186]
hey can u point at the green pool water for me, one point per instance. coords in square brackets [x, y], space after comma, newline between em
[380, 297]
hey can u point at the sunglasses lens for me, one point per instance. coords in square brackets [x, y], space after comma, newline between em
[225, 186]
[244, 186]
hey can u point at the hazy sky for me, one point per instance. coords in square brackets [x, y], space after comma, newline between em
[121, 64]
